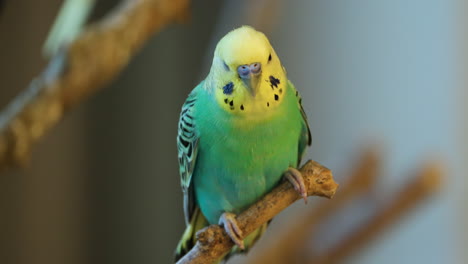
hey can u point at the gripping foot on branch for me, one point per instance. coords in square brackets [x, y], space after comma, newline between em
[295, 178]
[229, 222]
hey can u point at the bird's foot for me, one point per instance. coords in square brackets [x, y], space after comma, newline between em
[295, 178]
[229, 222]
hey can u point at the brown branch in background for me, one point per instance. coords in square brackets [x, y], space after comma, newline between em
[425, 184]
[86, 66]
[213, 242]
[287, 246]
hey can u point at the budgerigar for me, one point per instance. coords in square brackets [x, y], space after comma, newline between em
[241, 130]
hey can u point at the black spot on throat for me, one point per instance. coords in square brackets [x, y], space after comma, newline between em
[276, 97]
[242, 107]
[274, 81]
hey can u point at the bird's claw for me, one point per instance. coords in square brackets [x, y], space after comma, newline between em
[295, 178]
[229, 222]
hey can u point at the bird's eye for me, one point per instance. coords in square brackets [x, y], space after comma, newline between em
[269, 58]
[243, 71]
[226, 67]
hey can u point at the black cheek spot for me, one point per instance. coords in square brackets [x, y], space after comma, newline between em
[276, 97]
[242, 107]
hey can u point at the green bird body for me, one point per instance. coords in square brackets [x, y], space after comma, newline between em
[242, 158]
[237, 136]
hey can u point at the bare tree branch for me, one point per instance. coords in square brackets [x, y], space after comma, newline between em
[213, 242]
[87, 65]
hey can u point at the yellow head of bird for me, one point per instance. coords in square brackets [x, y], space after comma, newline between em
[246, 76]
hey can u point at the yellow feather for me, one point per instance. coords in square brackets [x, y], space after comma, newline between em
[243, 45]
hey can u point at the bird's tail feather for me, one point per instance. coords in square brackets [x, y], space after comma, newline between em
[188, 239]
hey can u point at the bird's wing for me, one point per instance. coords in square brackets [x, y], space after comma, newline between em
[305, 138]
[187, 147]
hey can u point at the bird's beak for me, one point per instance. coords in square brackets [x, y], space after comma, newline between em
[250, 75]
[251, 84]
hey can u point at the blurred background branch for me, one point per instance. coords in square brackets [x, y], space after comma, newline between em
[90, 62]
[423, 185]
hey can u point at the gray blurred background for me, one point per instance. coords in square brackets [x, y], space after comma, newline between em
[103, 185]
